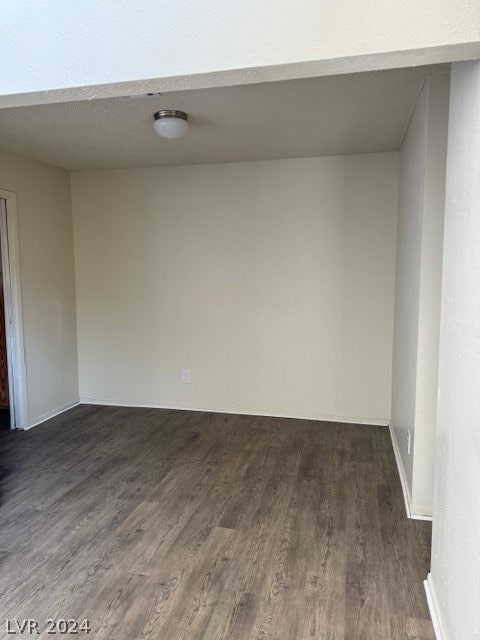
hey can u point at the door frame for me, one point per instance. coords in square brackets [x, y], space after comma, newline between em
[17, 375]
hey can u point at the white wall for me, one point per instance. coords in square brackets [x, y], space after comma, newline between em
[47, 280]
[407, 279]
[58, 44]
[455, 573]
[418, 291]
[271, 281]
[430, 295]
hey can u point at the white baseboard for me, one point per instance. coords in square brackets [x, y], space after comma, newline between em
[50, 414]
[414, 512]
[421, 513]
[401, 472]
[433, 607]
[237, 411]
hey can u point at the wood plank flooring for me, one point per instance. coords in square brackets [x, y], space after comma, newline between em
[175, 525]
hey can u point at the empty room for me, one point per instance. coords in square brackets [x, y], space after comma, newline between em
[239, 342]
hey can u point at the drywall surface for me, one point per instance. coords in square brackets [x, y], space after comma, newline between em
[47, 281]
[57, 44]
[418, 290]
[407, 279]
[455, 569]
[272, 282]
[430, 295]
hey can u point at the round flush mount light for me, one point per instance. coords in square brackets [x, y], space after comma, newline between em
[170, 123]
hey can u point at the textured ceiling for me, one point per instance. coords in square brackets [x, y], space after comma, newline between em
[333, 115]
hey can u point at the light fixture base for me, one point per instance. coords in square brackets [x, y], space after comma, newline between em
[170, 113]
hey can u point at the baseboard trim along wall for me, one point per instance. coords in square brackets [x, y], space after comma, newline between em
[434, 609]
[413, 511]
[238, 411]
[50, 414]
[420, 513]
[401, 471]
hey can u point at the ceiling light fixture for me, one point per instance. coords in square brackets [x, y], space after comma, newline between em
[170, 123]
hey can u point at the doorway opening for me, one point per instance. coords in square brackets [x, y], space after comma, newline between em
[13, 398]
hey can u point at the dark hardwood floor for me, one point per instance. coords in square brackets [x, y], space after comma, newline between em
[171, 525]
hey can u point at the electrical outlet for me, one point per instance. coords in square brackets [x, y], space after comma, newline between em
[409, 442]
[186, 376]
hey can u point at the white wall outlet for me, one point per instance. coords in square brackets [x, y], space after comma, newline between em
[186, 376]
[409, 442]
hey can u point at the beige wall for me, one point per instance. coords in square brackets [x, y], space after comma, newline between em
[271, 281]
[47, 280]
